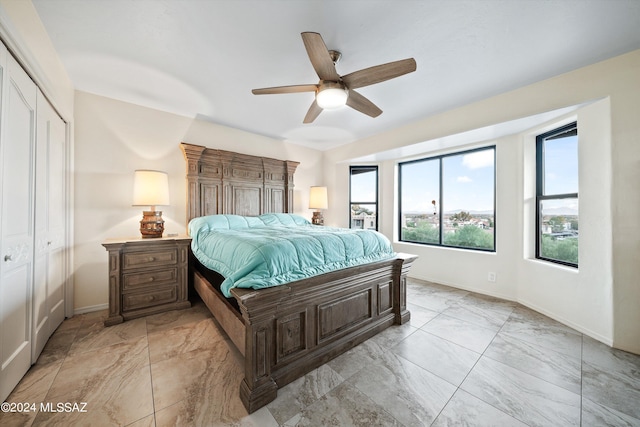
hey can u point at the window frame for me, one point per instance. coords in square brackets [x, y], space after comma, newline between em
[441, 198]
[364, 168]
[540, 196]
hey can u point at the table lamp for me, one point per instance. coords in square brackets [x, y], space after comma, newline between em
[151, 188]
[318, 201]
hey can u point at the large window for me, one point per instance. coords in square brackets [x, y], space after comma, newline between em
[449, 200]
[557, 195]
[363, 197]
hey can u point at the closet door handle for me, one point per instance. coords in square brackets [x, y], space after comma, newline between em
[7, 258]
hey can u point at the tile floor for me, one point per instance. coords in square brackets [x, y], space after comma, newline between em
[464, 359]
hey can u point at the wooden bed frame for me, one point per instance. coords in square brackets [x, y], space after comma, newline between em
[286, 331]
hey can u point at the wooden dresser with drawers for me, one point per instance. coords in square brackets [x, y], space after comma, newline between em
[147, 276]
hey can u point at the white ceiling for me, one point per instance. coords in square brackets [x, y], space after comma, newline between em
[201, 58]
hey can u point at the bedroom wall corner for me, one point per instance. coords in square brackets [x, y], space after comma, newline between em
[582, 297]
[26, 36]
[114, 138]
[625, 184]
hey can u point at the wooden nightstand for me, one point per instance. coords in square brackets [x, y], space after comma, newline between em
[147, 276]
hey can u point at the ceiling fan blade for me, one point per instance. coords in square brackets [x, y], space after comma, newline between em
[379, 73]
[362, 104]
[320, 57]
[314, 111]
[285, 89]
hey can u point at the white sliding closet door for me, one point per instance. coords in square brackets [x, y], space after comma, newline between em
[50, 202]
[17, 155]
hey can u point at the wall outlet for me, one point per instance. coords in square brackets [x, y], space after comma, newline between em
[492, 276]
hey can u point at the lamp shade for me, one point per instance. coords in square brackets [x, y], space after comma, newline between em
[318, 198]
[331, 98]
[150, 188]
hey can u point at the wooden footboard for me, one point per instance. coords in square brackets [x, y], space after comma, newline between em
[290, 330]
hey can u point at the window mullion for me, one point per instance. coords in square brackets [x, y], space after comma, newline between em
[441, 211]
[558, 196]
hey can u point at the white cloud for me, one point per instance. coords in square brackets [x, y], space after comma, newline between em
[464, 179]
[479, 159]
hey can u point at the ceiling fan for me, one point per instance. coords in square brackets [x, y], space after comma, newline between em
[333, 90]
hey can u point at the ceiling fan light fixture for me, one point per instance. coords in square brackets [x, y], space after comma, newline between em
[334, 91]
[332, 98]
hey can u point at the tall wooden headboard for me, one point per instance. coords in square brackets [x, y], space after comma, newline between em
[224, 182]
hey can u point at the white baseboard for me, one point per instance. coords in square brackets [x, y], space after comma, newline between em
[465, 288]
[596, 336]
[90, 309]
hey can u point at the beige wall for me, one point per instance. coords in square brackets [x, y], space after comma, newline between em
[601, 299]
[113, 139]
[25, 35]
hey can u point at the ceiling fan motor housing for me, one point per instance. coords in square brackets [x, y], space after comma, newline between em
[335, 56]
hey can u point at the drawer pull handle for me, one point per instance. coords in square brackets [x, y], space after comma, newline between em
[7, 258]
[152, 258]
[151, 279]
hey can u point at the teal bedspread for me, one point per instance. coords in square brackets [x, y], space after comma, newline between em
[273, 249]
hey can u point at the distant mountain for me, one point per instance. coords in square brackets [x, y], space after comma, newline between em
[563, 210]
[455, 211]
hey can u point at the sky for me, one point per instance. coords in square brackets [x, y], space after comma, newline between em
[363, 188]
[561, 174]
[468, 180]
[561, 165]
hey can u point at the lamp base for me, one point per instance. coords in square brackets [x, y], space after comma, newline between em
[317, 218]
[152, 224]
